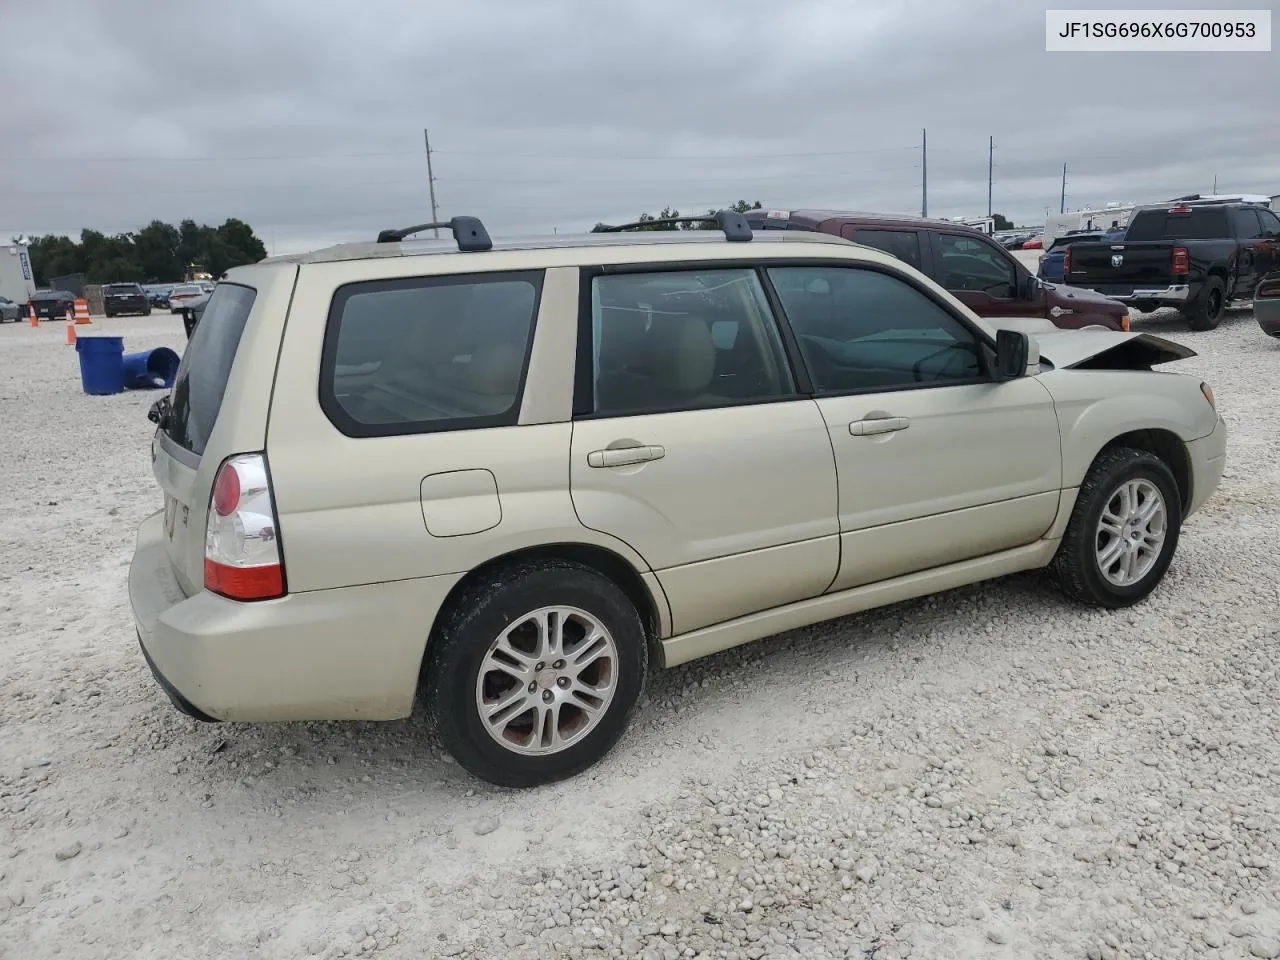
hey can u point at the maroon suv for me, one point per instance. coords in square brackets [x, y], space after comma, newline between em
[974, 268]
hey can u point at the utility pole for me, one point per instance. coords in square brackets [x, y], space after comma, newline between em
[431, 182]
[991, 154]
[1215, 184]
[1062, 206]
[924, 173]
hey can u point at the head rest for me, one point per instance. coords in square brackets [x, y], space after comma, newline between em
[683, 354]
[494, 370]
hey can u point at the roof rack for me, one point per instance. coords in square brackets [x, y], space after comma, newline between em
[468, 231]
[734, 224]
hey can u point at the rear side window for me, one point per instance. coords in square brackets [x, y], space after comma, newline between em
[424, 354]
[1201, 223]
[206, 365]
[903, 244]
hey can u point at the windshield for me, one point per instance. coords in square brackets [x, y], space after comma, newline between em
[1198, 223]
[206, 365]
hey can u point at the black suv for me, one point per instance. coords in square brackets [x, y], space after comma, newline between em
[119, 299]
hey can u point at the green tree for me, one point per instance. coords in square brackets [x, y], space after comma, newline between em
[159, 252]
[1002, 222]
[742, 206]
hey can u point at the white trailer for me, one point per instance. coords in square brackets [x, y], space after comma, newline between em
[17, 279]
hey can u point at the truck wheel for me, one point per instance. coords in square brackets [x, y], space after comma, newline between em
[1206, 312]
[1123, 530]
[535, 671]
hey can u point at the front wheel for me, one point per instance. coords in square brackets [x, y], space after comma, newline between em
[533, 674]
[1123, 530]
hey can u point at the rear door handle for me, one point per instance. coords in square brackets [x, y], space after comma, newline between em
[868, 428]
[621, 457]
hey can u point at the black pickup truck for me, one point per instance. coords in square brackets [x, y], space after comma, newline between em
[1194, 256]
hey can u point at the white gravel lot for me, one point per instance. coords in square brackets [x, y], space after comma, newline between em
[989, 773]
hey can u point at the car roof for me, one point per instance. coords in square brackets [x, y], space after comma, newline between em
[643, 238]
[816, 216]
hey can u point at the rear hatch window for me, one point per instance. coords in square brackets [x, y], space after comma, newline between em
[1200, 223]
[206, 365]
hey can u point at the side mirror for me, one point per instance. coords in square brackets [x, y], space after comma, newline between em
[1012, 350]
[1030, 287]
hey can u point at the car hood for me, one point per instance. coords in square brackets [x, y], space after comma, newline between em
[1094, 349]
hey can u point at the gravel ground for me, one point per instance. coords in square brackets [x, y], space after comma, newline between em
[988, 773]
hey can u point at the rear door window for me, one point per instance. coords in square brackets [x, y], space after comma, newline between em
[206, 365]
[425, 354]
[903, 244]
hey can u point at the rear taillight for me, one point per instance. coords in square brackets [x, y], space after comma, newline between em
[1066, 261]
[1268, 289]
[1181, 260]
[242, 545]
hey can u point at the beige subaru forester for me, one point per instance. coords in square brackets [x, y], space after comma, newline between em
[511, 475]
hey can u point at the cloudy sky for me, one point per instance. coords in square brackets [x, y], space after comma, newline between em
[306, 117]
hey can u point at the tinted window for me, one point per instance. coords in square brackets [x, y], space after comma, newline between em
[903, 244]
[1246, 223]
[1200, 223]
[679, 341]
[1270, 223]
[864, 330]
[968, 263]
[131, 288]
[206, 364]
[428, 353]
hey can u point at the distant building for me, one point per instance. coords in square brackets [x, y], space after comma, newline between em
[17, 279]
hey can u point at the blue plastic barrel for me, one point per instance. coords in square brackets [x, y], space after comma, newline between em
[101, 364]
[150, 369]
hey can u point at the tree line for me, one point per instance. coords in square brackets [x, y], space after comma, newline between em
[666, 213]
[157, 253]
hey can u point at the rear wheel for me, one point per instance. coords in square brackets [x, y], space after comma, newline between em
[535, 671]
[1123, 530]
[1206, 312]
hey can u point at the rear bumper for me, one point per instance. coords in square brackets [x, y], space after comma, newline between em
[1208, 457]
[346, 654]
[1173, 294]
[1268, 316]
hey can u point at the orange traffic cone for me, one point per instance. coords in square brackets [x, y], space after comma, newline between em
[71, 334]
[35, 321]
[82, 311]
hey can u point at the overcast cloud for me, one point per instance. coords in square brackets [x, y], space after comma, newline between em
[305, 117]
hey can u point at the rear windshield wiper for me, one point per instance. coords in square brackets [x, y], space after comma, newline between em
[159, 413]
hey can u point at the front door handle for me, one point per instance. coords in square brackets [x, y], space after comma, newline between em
[621, 457]
[869, 428]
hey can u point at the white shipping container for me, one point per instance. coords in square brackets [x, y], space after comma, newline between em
[17, 279]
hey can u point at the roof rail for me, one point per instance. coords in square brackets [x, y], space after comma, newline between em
[468, 231]
[734, 224]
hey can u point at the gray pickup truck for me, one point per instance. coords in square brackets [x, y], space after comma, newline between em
[1194, 256]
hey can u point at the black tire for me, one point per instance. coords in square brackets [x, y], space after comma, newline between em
[146, 312]
[1206, 311]
[474, 622]
[1076, 567]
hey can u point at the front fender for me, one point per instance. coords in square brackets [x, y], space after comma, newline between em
[1096, 406]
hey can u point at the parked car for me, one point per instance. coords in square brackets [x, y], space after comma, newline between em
[1194, 256]
[123, 299]
[1051, 263]
[191, 311]
[379, 479]
[182, 294]
[1266, 304]
[1015, 241]
[10, 311]
[1035, 243]
[53, 304]
[158, 295]
[968, 263]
